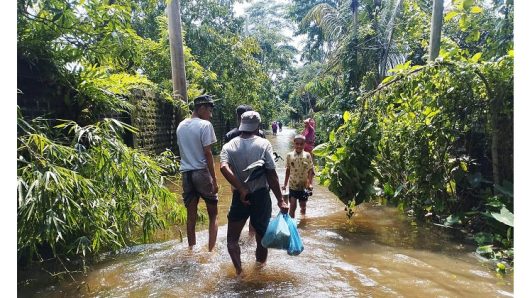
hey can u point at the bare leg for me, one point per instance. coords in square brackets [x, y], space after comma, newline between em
[292, 206]
[232, 242]
[213, 226]
[251, 230]
[261, 251]
[191, 220]
[302, 207]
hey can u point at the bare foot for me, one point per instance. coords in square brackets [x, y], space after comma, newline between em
[239, 273]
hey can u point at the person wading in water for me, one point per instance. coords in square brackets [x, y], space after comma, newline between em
[235, 133]
[247, 163]
[195, 137]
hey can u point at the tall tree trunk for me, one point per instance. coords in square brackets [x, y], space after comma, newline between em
[178, 71]
[436, 29]
[395, 14]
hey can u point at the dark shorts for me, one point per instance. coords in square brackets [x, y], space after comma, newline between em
[260, 209]
[301, 195]
[198, 183]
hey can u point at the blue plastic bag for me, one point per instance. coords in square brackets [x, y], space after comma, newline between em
[295, 242]
[277, 234]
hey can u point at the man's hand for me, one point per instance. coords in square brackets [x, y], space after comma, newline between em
[284, 207]
[243, 193]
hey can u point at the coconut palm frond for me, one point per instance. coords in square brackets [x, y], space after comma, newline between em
[390, 32]
[336, 57]
[395, 56]
[328, 19]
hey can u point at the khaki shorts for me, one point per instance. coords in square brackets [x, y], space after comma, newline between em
[198, 183]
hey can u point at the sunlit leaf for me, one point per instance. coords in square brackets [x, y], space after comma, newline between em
[476, 9]
[387, 79]
[476, 57]
[321, 150]
[450, 15]
[346, 116]
[462, 23]
[486, 249]
[504, 216]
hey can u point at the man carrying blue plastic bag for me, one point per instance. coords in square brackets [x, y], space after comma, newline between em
[247, 162]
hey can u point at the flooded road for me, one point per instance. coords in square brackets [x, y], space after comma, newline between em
[378, 253]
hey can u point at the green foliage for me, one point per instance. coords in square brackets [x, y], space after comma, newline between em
[266, 23]
[420, 153]
[169, 163]
[348, 170]
[156, 60]
[481, 26]
[83, 53]
[85, 192]
[217, 40]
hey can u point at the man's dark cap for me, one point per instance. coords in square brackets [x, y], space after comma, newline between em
[204, 99]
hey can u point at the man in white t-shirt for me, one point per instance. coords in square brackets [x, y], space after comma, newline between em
[195, 137]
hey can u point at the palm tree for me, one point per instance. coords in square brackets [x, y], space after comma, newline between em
[178, 71]
[340, 26]
[436, 29]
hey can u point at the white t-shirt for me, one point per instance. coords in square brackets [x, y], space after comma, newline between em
[193, 134]
[240, 153]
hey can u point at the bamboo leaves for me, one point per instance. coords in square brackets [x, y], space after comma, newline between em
[83, 201]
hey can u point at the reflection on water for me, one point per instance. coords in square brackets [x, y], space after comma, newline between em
[378, 253]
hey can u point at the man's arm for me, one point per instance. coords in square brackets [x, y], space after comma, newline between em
[232, 179]
[272, 179]
[211, 167]
[287, 175]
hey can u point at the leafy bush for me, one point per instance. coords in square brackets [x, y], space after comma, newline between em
[436, 140]
[348, 169]
[81, 190]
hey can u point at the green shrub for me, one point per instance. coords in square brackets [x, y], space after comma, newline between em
[81, 190]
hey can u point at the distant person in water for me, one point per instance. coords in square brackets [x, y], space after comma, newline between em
[235, 131]
[310, 135]
[195, 137]
[247, 163]
[274, 128]
[280, 125]
[298, 176]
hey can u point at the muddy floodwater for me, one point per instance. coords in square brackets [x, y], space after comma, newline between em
[378, 253]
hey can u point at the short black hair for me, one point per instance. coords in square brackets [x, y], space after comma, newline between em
[241, 109]
[197, 107]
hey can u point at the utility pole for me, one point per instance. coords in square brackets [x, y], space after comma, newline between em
[178, 71]
[436, 29]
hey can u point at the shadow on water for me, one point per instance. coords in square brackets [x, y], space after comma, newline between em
[378, 253]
